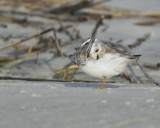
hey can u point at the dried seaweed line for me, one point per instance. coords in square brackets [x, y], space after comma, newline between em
[29, 51]
[99, 22]
[139, 41]
[65, 30]
[26, 39]
[128, 77]
[73, 6]
[145, 72]
[147, 23]
[55, 41]
[152, 66]
[136, 79]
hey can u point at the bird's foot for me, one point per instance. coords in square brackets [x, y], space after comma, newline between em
[102, 86]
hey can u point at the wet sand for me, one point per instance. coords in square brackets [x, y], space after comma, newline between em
[77, 105]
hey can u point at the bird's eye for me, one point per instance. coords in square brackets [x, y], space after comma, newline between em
[96, 50]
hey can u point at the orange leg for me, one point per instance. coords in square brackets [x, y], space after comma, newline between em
[102, 86]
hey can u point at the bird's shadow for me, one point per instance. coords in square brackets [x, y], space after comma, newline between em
[89, 85]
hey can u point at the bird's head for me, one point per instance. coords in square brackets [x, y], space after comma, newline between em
[96, 49]
[89, 48]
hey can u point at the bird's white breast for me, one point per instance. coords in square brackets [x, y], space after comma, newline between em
[109, 65]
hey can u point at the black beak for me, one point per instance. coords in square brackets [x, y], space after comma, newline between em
[72, 57]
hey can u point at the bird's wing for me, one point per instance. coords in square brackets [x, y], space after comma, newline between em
[109, 48]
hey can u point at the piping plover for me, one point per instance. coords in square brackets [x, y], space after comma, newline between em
[101, 60]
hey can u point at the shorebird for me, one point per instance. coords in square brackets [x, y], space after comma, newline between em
[101, 60]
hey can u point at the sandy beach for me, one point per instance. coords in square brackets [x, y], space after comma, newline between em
[33, 95]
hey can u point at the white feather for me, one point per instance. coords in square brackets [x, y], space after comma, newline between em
[107, 66]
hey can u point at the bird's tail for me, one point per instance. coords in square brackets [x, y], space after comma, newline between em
[136, 57]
